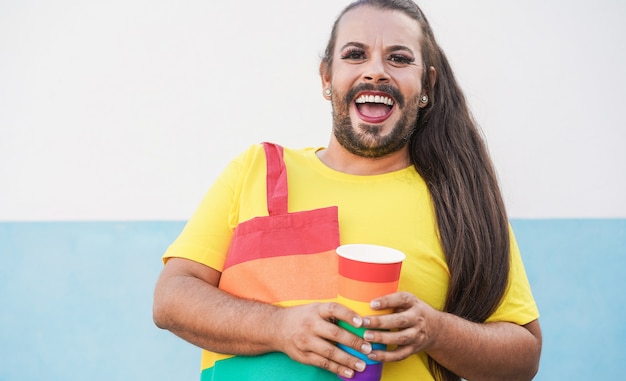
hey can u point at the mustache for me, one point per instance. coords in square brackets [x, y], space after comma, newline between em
[395, 93]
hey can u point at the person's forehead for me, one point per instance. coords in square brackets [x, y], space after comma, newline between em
[365, 23]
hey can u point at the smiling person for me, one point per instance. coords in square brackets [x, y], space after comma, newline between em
[252, 277]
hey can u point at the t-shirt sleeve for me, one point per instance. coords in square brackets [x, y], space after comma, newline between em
[518, 305]
[207, 235]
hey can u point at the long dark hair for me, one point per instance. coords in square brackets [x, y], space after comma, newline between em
[449, 152]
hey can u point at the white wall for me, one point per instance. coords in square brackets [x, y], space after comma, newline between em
[127, 110]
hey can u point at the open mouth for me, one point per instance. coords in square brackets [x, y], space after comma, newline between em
[374, 107]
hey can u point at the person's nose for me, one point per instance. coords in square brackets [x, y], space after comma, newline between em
[375, 71]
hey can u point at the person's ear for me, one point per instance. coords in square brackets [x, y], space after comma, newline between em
[432, 77]
[427, 91]
[326, 80]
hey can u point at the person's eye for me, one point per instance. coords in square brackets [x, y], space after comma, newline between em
[353, 54]
[401, 59]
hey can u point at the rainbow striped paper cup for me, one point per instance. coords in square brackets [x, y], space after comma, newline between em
[366, 272]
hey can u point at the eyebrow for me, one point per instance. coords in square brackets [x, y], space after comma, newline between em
[395, 48]
[355, 44]
[392, 48]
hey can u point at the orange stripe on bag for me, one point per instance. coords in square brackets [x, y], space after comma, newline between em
[278, 279]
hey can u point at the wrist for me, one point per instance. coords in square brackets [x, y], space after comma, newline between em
[273, 327]
[440, 325]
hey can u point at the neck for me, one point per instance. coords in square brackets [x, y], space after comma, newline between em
[338, 158]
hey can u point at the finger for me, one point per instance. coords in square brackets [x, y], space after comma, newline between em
[347, 327]
[337, 368]
[397, 354]
[330, 357]
[393, 321]
[346, 335]
[409, 336]
[400, 344]
[334, 312]
[398, 300]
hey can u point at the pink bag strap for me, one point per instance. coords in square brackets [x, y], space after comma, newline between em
[276, 179]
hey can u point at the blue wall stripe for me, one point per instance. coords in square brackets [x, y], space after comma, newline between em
[577, 269]
[75, 300]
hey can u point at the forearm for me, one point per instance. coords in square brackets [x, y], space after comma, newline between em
[212, 319]
[490, 351]
[188, 303]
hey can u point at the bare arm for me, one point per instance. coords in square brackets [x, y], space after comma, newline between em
[188, 303]
[490, 351]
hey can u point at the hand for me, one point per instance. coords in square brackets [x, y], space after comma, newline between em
[309, 333]
[411, 328]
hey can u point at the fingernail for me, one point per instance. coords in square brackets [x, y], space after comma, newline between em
[371, 356]
[366, 322]
[374, 304]
[368, 335]
[366, 348]
[360, 366]
[357, 321]
[348, 373]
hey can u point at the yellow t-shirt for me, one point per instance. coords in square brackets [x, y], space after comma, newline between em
[392, 209]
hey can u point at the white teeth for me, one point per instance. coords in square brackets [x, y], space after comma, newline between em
[374, 99]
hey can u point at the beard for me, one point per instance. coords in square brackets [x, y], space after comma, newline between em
[367, 140]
